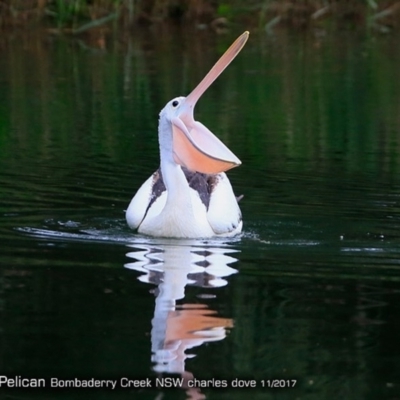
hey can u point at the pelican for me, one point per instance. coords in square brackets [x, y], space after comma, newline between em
[189, 196]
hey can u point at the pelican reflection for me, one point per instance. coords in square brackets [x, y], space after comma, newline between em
[176, 328]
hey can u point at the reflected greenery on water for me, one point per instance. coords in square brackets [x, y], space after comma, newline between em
[309, 291]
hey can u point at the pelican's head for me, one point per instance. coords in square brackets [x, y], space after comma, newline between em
[194, 146]
[172, 108]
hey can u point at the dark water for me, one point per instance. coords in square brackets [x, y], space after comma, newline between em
[309, 293]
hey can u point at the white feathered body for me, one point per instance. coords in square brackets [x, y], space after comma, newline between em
[210, 209]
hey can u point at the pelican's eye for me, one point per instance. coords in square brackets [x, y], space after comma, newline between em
[175, 103]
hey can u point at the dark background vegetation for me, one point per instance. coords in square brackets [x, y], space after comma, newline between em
[77, 16]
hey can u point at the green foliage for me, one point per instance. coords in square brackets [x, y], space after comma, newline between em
[266, 14]
[372, 4]
[66, 12]
[224, 10]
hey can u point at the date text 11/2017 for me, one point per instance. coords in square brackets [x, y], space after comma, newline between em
[279, 383]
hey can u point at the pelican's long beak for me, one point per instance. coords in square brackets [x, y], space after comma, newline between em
[195, 146]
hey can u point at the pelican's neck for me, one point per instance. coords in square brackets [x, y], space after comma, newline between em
[173, 176]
